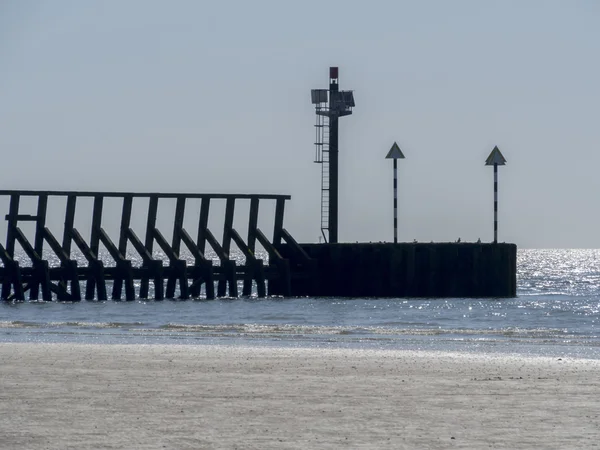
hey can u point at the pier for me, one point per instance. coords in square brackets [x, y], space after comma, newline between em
[292, 269]
[406, 270]
[46, 267]
[68, 281]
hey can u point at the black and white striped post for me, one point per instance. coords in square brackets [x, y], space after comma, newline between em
[395, 153]
[495, 159]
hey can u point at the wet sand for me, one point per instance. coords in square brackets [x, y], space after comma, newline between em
[63, 396]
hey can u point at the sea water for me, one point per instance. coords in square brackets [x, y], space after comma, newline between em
[556, 313]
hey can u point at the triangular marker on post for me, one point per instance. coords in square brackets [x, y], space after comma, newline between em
[495, 157]
[395, 152]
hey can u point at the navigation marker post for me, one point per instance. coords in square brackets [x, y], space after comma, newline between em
[395, 153]
[495, 159]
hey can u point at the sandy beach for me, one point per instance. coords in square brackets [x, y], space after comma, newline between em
[59, 396]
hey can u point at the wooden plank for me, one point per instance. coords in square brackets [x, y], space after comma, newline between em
[13, 212]
[27, 247]
[71, 273]
[139, 247]
[272, 251]
[251, 263]
[96, 224]
[149, 240]
[151, 223]
[61, 291]
[43, 277]
[203, 225]
[56, 247]
[253, 223]
[18, 288]
[38, 244]
[8, 262]
[212, 241]
[125, 224]
[69, 221]
[252, 226]
[99, 281]
[35, 193]
[279, 209]
[23, 217]
[239, 242]
[85, 249]
[297, 251]
[164, 245]
[110, 246]
[6, 259]
[193, 248]
[128, 278]
[228, 225]
[178, 224]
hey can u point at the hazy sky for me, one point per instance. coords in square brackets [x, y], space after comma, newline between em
[200, 96]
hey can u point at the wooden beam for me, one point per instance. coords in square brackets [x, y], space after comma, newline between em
[33, 193]
[85, 249]
[279, 209]
[193, 248]
[96, 224]
[228, 225]
[125, 223]
[23, 218]
[271, 250]
[253, 223]
[56, 247]
[178, 224]
[69, 221]
[149, 241]
[41, 224]
[110, 246]
[203, 225]
[27, 247]
[6, 259]
[151, 223]
[13, 212]
[140, 248]
[297, 251]
[164, 245]
[212, 241]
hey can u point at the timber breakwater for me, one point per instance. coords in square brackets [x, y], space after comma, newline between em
[292, 269]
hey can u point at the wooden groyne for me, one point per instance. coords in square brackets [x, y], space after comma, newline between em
[51, 271]
[72, 282]
[410, 270]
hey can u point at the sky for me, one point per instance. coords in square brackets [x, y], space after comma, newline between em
[198, 96]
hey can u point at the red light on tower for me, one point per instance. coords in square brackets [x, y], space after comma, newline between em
[333, 72]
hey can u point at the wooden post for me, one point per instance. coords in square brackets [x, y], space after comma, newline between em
[279, 208]
[69, 222]
[178, 224]
[226, 245]
[151, 224]
[13, 212]
[203, 225]
[252, 225]
[125, 223]
[176, 267]
[229, 213]
[93, 281]
[123, 269]
[38, 244]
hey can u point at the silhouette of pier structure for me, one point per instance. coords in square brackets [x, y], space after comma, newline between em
[65, 280]
[330, 269]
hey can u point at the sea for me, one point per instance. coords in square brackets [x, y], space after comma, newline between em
[556, 313]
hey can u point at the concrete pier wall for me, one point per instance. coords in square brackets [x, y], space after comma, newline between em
[408, 270]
